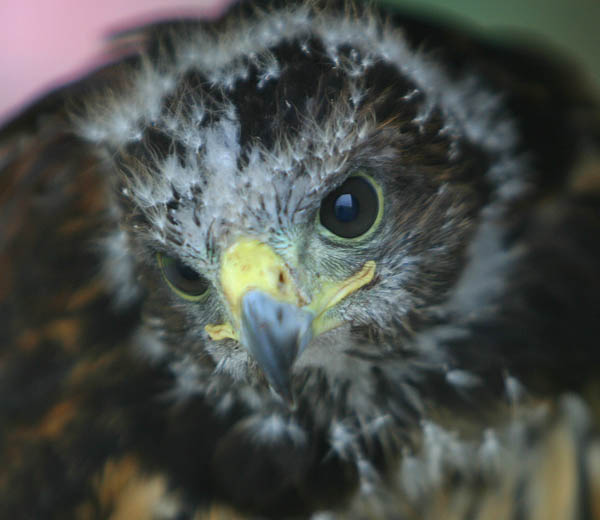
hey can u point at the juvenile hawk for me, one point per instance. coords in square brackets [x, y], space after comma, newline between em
[307, 260]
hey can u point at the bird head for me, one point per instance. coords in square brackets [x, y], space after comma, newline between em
[295, 197]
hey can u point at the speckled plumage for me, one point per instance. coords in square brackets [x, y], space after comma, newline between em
[459, 372]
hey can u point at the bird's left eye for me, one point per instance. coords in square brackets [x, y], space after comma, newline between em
[182, 279]
[353, 209]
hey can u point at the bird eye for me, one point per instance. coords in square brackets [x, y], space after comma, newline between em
[182, 279]
[353, 209]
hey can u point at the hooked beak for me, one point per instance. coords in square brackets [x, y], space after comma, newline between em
[275, 333]
[269, 317]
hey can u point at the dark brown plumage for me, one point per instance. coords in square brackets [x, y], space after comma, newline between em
[443, 360]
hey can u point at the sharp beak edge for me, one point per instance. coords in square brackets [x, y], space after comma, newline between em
[275, 333]
[269, 317]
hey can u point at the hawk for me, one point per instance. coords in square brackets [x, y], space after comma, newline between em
[310, 260]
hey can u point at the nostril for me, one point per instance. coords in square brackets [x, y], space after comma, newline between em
[281, 277]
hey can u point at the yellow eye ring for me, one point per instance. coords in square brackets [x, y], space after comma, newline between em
[352, 211]
[182, 279]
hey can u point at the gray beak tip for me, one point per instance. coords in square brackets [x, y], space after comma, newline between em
[275, 333]
[286, 394]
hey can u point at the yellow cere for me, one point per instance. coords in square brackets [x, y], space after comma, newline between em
[221, 331]
[334, 292]
[252, 265]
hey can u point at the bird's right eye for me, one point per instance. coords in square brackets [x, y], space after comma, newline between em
[182, 279]
[352, 210]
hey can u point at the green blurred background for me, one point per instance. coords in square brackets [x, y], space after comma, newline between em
[570, 26]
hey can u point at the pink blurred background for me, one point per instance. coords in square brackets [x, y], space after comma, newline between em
[45, 43]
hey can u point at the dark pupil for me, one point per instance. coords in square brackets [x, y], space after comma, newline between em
[351, 210]
[186, 272]
[346, 207]
[184, 277]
